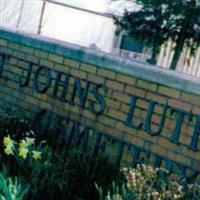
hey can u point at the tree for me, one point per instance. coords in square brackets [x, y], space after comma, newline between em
[159, 21]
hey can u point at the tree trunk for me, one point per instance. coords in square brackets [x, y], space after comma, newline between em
[153, 58]
[177, 53]
[154, 54]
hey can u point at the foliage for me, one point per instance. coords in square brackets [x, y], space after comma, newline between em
[57, 168]
[159, 21]
[51, 169]
[147, 183]
[13, 121]
[74, 176]
[11, 188]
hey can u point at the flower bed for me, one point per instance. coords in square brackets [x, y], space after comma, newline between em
[34, 167]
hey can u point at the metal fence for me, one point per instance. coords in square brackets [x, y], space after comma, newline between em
[32, 17]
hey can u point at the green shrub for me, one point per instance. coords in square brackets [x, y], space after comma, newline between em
[147, 183]
[67, 172]
[13, 121]
[11, 188]
[72, 175]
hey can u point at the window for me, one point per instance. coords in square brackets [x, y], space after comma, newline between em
[130, 44]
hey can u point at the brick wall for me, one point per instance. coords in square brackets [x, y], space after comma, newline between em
[104, 79]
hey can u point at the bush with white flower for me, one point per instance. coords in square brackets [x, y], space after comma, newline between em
[147, 183]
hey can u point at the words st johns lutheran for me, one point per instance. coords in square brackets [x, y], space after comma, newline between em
[66, 88]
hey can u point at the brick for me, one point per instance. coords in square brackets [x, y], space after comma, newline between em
[142, 104]
[10, 75]
[56, 58]
[23, 64]
[169, 92]
[71, 63]
[88, 68]
[196, 110]
[179, 104]
[117, 114]
[95, 79]
[122, 127]
[166, 132]
[121, 97]
[156, 97]
[13, 85]
[88, 114]
[13, 45]
[3, 42]
[91, 123]
[156, 119]
[169, 123]
[19, 54]
[106, 120]
[78, 73]
[32, 58]
[183, 139]
[147, 85]
[115, 85]
[135, 91]
[113, 132]
[106, 73]
[31, 100]
[142, 134]
[190, 98]
[6, 50]
[159, 109]
[27, 50]
[178, 158]
[158, 149]
[135, 140]
[126, 79]
[167, 144]
[46, 63]
[62, 68]
[124, 107]
[18, 71]
[13, 61]
[112, 103]
[188, 152]
[41, 54]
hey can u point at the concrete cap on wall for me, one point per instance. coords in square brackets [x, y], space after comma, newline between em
[135, 68]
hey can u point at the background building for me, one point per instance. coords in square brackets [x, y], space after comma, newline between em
[86, 23]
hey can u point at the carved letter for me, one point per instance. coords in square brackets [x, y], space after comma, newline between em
[25, 82]
[82, 92]
[147, 125]
[196, 133]
[47, 77]
[99, 145]
[2, 62]
[63, 84]
[99, 98]
[176, 132]
[131, 113]
[120, 152]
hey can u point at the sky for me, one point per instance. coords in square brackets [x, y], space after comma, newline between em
[103, 6]
[95, 5]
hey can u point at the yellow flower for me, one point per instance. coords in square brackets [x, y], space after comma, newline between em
[23, 144]
[30, 141]
[8, 141]
[23, 152]
[36, 155]
[26, 142]
[8, 150]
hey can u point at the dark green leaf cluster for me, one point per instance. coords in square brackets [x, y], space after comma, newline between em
[159, 21]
